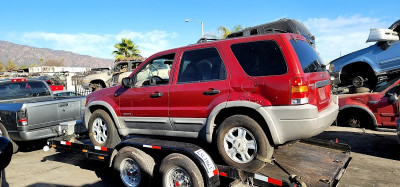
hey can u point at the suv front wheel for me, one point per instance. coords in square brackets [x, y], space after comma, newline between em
[241, 140]
[102, 131]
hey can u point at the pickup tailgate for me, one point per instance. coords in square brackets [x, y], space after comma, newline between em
[52, 112]
[318, 162]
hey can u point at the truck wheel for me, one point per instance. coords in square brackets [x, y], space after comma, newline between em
[4, 133]
[102, 131]
[133, 167]
[179, 170]
[240, 140]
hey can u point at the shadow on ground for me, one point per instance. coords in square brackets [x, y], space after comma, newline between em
[101, 169]
[369, 142]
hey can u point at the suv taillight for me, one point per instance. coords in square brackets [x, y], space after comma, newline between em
[22, 117]
[299, 90]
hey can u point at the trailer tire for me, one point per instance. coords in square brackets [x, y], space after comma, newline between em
[178, 166]
[130, 161]
[4, 133]
[102, 131]
[245, 141]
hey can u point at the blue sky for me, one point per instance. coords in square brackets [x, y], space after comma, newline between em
[92, 27]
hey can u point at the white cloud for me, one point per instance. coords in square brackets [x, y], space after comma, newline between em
[342, 35]
[97, 45]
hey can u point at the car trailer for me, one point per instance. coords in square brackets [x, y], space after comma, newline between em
[137, 160]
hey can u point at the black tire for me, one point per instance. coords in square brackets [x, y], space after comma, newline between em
[143, 167]
[4, 133]
[107, 128]
[262, 148]
[182, 165]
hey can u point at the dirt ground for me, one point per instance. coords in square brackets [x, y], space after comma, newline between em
[375, 162]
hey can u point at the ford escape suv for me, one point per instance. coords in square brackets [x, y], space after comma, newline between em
[248, 95]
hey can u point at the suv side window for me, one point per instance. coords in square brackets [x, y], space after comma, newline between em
[261, 58]
[201, 65]
[156, 72]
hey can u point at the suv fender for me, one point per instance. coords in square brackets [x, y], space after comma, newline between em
[363, 108]
[214, 113]
[109, 109]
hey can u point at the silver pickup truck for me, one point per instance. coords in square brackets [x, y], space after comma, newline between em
[30, 111]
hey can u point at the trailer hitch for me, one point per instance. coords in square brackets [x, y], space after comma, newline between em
[292, 178]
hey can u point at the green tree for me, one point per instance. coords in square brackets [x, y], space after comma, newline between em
[1, 67]
[33, 65]
[11, 66]
[23, 66]
[226, 31]
[126, 49]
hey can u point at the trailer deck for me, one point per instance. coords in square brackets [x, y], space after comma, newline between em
[317, 162]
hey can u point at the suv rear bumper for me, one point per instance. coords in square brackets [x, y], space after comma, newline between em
[300, 121]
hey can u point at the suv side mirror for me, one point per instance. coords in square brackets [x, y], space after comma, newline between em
[127, 82]
[393, 99]
[6, 151]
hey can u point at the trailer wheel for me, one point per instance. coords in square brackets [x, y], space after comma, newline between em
[102, 131]
[4, 133]
[179, 170]
[240, 140]
[133, 167]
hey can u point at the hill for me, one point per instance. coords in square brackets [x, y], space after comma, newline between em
[23, 54]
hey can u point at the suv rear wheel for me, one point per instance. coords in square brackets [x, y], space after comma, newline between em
[102, 131]
[241, 140]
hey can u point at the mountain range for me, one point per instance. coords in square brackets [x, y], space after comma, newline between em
[23, 54]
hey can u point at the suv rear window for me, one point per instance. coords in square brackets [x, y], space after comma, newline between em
[308, 57]
[261, 58]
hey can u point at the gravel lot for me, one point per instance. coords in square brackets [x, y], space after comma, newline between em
[376, 162]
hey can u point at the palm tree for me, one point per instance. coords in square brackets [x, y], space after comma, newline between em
[126, 49]
[225, 31]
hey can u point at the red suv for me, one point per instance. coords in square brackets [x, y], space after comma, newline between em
[247, 94]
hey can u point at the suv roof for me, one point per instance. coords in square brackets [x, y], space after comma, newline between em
[280, 26]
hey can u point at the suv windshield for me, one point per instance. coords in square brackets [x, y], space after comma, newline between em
[308, 57]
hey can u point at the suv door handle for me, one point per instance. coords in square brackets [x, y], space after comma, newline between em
[211, 92]
[156, 95]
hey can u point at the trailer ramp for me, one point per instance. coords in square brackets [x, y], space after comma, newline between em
[318, 162]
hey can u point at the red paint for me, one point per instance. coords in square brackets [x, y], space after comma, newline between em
[274, 181]
[386, 114]
[186, 100]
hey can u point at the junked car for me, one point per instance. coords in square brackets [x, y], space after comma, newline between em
[245, 94]
[112, 77]
[378, 108]
[370, 66]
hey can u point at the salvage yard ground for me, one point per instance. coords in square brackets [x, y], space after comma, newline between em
[376, 162]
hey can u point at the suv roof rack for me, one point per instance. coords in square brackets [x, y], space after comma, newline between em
[279, 26]
[204, 40]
